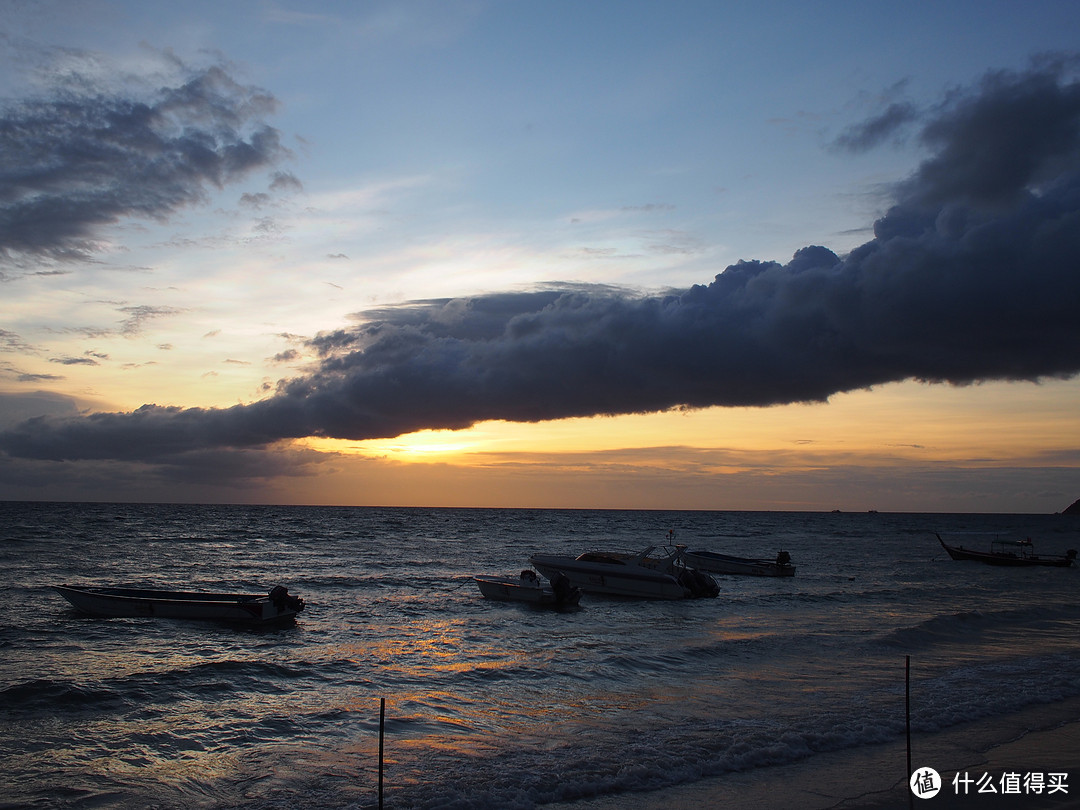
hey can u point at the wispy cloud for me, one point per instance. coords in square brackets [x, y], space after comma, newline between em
[86, 155]
[879, 129]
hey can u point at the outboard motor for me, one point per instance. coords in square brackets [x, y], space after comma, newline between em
[1071, 554]
[698, 584]
[783, 558]
[279, 595]
[562, 587]
[706, 585]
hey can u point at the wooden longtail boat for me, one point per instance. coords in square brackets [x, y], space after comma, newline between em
[1016, 553]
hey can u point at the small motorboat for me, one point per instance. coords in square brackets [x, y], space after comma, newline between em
[276, 606]
[656, 572]
[1016, 553]
[716, 563]
[529, 588]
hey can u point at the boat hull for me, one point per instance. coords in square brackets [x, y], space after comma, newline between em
[513, 589]
[108, 602]
[611, 580]
[716, 563]
[1006, 559]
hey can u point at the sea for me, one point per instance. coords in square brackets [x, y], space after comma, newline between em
[480, 704]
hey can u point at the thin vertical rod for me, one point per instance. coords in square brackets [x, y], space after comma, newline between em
[382, 732]
[907, 707]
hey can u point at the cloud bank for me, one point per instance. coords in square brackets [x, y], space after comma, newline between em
[973, 274]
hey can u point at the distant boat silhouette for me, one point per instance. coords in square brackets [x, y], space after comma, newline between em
[1000, 554]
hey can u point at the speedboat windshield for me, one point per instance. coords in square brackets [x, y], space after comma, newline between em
[601, 557]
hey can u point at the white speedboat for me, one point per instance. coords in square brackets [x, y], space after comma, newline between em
[657, 572]
[529, 588]
[259, 608]
[717, 563]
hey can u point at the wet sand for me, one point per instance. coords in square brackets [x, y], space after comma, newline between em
[876, 779]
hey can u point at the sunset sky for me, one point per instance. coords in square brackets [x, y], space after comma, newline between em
[543, 254]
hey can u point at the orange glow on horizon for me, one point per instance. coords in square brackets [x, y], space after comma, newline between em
[901, 447]
[993, 423]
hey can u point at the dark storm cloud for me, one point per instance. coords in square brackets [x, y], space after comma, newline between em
[85, 158]
[973, 274]
[1015, 135]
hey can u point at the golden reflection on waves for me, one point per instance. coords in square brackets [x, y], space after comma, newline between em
[419, 664]
[434, 645]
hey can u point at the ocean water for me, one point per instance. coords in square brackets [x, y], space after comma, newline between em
[494, 705]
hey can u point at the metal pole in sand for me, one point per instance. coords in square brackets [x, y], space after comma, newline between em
[907, 707]
[382, 729]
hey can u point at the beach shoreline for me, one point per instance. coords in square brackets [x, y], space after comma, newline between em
[1041, 739]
